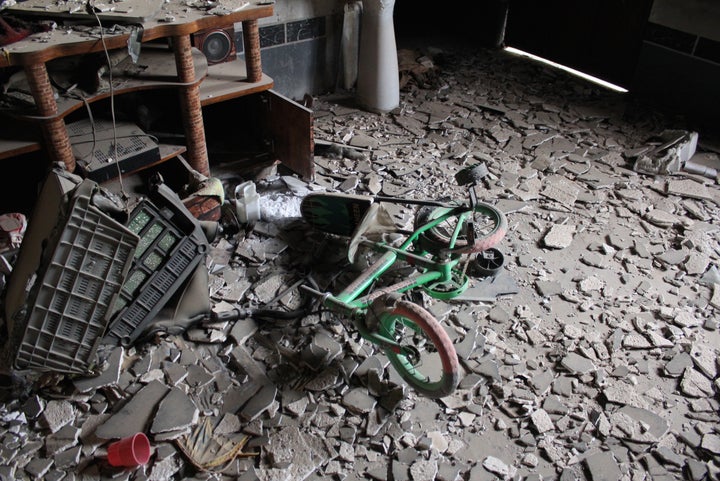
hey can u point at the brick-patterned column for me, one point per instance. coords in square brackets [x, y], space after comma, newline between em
[251, 39]
[190, 106]
[53, 128]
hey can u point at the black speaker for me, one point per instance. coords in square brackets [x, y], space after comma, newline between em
[218, 44]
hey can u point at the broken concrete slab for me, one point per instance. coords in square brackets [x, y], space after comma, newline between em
[176, 412]
[136, 415]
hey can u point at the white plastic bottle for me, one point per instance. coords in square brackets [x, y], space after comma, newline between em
[247, 202]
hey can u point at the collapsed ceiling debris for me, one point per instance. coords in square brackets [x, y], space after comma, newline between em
[592, 354]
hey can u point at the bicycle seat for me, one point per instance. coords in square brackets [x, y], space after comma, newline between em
[376, 220]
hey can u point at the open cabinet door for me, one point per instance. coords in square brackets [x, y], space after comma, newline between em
[597, 37]
[250, 131]
[291, 131]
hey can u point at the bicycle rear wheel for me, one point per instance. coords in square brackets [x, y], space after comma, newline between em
[489, 225]
[435, 373]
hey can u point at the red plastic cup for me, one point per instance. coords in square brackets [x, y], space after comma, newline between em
[129, 452]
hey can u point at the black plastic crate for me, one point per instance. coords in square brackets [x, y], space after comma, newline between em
[170, 248]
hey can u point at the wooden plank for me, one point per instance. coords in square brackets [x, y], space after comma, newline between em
[227, 81]
[291, 127]
[176, 18]
[11, 148]
[134, 11]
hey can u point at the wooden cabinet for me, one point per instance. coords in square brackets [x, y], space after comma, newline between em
[167, 61]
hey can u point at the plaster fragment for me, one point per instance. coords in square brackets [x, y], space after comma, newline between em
[559, 236]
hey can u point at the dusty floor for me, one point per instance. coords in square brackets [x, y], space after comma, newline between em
[593, 355]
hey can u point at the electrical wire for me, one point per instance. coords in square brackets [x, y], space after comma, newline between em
[91, 9]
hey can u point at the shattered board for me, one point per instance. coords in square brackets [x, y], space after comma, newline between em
[122, 11]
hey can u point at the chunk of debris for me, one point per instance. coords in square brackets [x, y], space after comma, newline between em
[559, 236]
[135, 415]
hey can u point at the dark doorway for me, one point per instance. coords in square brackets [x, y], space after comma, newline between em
[598, 37]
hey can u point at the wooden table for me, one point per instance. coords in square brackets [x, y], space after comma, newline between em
[174, 20]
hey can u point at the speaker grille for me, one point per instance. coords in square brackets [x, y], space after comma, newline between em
[218, 45]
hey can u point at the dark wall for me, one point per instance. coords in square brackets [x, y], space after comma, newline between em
[680, 72]
[480, 23]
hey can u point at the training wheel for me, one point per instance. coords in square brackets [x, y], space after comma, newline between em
[471, 175]
[488, 262]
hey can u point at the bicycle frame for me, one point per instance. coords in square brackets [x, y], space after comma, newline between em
[352, 303]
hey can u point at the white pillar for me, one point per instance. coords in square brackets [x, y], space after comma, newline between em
[378, 83]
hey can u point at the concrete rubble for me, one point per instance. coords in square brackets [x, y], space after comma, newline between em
[592, 356]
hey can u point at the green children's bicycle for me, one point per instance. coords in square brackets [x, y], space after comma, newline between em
[446, 239]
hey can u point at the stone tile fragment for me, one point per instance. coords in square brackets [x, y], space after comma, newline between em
[109, 376]
[165, 468]
[68, 458]
[591, 284]
[661, 218]
[359, 401]
[57, 414]
[577, 364]
[424, 470]
[624, 394]
[603, 467]
[499, 467]
[594, 259]
[694, 384]
[711, 443]
[657, 340]
[559, 236]
[322, 350]
[560, 189]
[64, 438]
[136, 415]
[705, 359]
[697, 470]
[328, 378]
[198, 376]
[174, 373]
[33, 407]
[243, 329]
[638, 424]
[293, 455]
[715, 299]
[541, 420]
[245, 361]
[684, 318]
[689, 188]
[175, 412]
[38, 467]
[697, 263]
[669, 457]
[259, 403]
[633, 340]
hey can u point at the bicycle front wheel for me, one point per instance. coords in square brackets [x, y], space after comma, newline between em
[434, 372]
[489, 226]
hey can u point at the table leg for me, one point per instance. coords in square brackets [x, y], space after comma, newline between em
[251, 40]
[56, 136]
[191, 107]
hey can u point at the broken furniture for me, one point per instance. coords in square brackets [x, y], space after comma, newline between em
[172, 244]
[168, 60]
[90, 273]
[70, 268]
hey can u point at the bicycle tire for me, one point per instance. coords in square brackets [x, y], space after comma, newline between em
[438, 237]
[439, 379]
